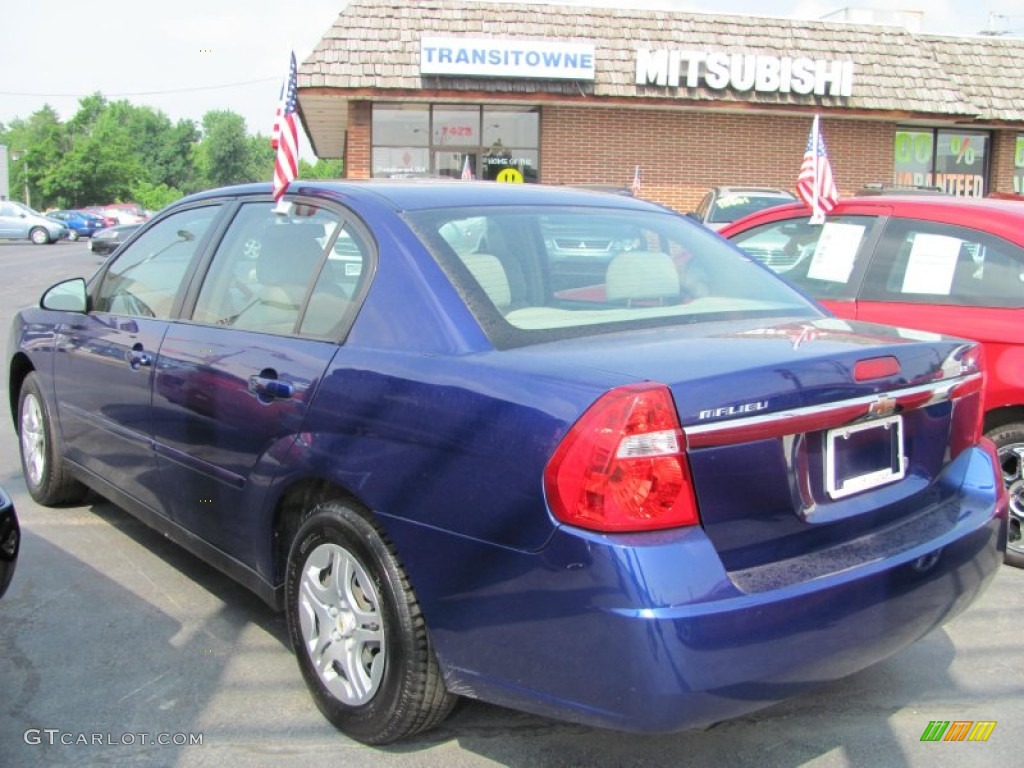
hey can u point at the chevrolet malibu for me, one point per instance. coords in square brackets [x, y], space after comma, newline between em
[648, 498]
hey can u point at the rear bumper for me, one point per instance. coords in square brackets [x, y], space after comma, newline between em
[650, 633]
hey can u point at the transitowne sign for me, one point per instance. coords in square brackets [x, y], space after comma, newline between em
[493, 57]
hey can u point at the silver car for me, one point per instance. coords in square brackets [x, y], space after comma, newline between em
[19, 222]
[724, 205]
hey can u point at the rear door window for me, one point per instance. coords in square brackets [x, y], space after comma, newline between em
[295, 274]
[937, 263]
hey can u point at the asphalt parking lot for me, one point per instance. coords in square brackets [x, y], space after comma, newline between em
[119, 648]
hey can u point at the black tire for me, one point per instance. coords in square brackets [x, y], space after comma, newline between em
[1009, 439]
[388, 685]
[72, 235]
[39, 236]
[42, 464]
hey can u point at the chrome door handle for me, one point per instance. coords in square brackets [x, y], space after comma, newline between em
[270, 389]
[137, 356]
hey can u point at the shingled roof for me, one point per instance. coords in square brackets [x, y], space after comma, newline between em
[373, 47]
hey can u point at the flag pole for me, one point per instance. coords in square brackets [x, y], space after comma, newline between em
[816, 206]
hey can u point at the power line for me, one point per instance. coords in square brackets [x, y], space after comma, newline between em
[140, 93]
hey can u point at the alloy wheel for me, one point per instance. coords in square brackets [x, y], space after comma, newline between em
[33, 439]
[342, 627]
[1011, 459]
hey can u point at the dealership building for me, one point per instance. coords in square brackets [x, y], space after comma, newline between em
[678, 101]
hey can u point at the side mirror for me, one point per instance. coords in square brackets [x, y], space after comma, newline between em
[66, 296]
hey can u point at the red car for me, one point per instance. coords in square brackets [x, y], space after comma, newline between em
[937, 264]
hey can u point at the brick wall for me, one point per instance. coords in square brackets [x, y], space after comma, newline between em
[1003, 147]
[682, 154]
[357, 140]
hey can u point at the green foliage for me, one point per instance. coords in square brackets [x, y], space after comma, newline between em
[261, 158]
[323, 169]
[154, 196]
[116, 151]
[222, 157]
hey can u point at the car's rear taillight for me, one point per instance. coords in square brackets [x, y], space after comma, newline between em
[622, 466]
[968, 397]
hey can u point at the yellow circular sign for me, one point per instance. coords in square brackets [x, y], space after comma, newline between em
[509, 176]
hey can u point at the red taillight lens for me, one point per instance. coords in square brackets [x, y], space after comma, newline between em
[875, 368]
[622, 467]
[968, 398]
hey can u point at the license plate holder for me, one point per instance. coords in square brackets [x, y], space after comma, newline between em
[863, 456]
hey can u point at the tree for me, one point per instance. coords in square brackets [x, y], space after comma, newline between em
[101, 167]
[116, 151]
[323, 169]
[154, 196]
[222, 156]
[42, 139]
[261, 158]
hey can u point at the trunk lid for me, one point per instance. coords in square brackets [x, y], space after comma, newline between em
[806, 436]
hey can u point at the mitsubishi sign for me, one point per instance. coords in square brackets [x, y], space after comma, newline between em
[744, 72]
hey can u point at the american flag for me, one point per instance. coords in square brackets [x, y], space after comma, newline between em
[815, 184]
[285, 138]
[467, 171]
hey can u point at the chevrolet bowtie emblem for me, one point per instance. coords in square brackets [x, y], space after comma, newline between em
[882, 406]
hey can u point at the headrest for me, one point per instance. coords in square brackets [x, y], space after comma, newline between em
[641, 275]
[289, 252]
[487, 270]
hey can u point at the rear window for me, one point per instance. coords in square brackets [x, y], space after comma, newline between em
[536, 274]
[732, 207]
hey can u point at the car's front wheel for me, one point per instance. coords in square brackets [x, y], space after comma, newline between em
[48, 480]
[1009, 440]
[358, 634]
[72, 235]
[39, 236]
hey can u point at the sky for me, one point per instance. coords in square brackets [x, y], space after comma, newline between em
[193, 56]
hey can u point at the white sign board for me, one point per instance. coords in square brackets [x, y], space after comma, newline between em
[931, 264]
[744, 72]
[494, 57]
[835, 252]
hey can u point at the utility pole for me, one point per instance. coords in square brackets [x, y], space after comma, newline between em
[22, 154]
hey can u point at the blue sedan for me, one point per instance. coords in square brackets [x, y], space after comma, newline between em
[79, 223]
[558, 450]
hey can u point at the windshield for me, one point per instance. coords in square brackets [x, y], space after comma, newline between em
[532, 274]
[732, 207]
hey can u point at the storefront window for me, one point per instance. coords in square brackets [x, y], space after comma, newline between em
[511, 126]
[397, 125]
[495, 143]
[401, 162]
[954, 161]
[456, 126]
[511, 135]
